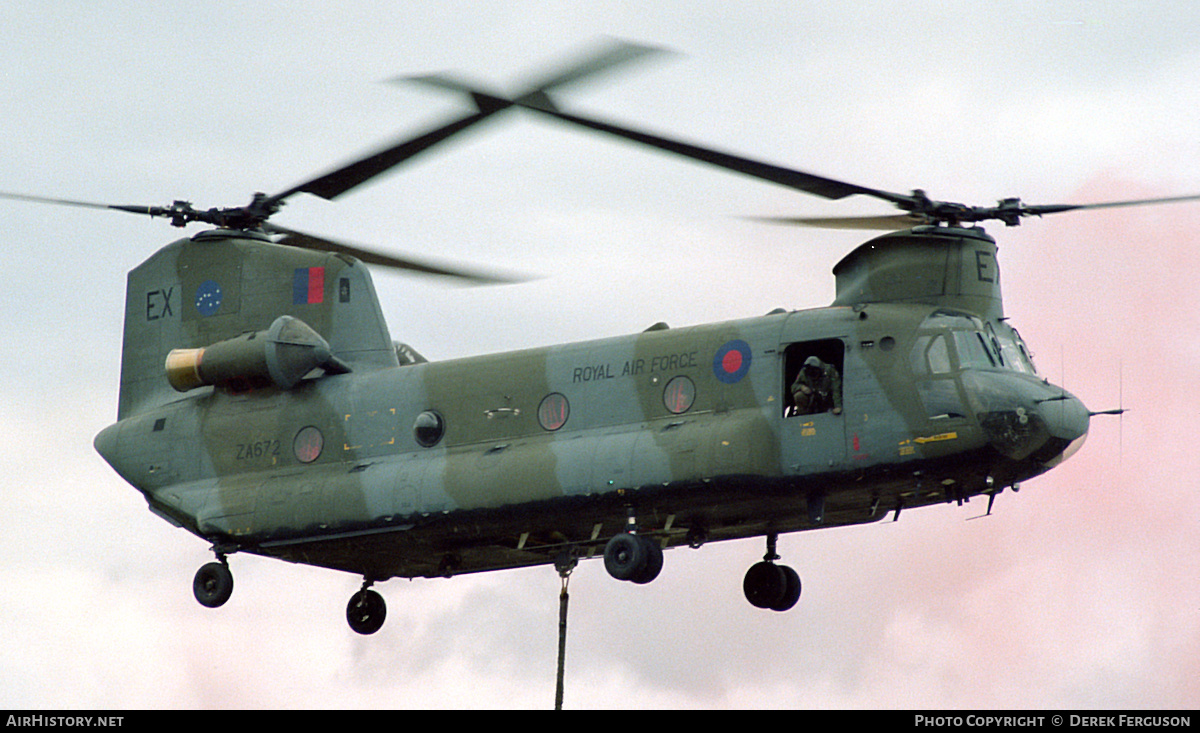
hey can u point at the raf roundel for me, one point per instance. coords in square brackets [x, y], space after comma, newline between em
[732, 361]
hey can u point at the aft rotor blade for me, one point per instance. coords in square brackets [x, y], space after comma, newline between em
[148, 210]
[180, 212]
[609, 55]
[606, 57]
[295, 238]
[889, 223]
[337, 182]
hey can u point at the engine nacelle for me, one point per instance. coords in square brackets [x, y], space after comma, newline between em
[279, 356]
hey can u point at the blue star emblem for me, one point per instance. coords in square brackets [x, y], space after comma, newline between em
[208, 298]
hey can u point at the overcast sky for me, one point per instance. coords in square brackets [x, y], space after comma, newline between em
[1078, 592]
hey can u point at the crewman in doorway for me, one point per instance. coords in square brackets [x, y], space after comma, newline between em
[817, 388]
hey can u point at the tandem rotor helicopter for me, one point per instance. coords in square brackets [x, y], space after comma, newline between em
[265, 408]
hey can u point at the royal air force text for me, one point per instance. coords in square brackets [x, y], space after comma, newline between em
[634, 367]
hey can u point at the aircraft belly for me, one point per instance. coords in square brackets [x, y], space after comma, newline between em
[465, 541]
[461, 540]
[183, 504]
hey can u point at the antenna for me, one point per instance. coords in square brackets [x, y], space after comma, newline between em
[1120, 410]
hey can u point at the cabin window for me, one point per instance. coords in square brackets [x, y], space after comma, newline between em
[679, 395]
[307, 444]
[554, 411]
[429, 428]
[813, 394]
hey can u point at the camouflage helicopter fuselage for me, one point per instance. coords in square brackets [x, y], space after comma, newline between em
[352, 457]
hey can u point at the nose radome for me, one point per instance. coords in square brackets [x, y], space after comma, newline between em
[1065, 416]
[1066, 419]
[1027, 419]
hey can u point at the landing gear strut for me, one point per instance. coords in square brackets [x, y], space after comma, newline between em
[772, 586]
[366, 610]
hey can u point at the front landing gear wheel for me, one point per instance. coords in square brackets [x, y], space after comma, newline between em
[654, 562]
[625, 556]
[366, 612]
[213, 584]
[792, 594]
[633, 557]
[772, 586]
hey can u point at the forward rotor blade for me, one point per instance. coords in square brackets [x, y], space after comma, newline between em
[1058, 208]
[295, 238]
[923, 210]
[889, 223]
[828, 188]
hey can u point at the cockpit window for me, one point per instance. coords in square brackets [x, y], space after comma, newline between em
[972, 350]
[1013, 352]
[931, 355]
[975, 346]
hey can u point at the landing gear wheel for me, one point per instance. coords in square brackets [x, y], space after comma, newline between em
[764, 584]
[792, 592]
[772, 586]
[366, 612]
[654, 562]
[633, 557]
[213, 584]
[625, 556]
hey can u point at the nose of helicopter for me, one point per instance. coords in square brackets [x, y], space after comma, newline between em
[1027, 419]
[1067, 420]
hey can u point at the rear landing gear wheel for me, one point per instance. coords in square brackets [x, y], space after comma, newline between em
[213, 584]
[366, 612]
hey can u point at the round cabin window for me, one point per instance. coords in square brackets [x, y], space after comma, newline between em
[428, 428]
[554, 411]
[308, 444]
[679, 395]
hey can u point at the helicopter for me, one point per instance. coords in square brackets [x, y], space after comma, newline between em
[265, 408]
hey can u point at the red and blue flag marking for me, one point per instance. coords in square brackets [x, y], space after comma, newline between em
[308, 285]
